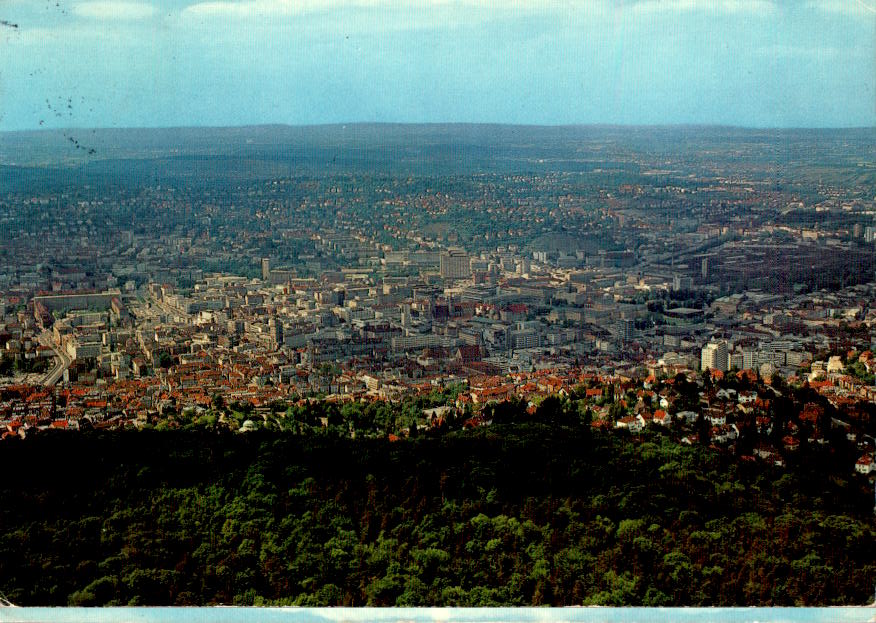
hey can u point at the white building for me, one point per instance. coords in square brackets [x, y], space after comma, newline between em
[865, 465]
[714, 357]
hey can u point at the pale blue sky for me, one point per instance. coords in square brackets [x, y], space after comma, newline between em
[233, 62]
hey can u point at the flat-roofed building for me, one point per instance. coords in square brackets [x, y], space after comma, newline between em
[455, 264]
[714, 357]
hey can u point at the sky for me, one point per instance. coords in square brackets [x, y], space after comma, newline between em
[161, 63]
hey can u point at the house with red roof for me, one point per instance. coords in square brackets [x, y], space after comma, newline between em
[631, 423]
[662, 418]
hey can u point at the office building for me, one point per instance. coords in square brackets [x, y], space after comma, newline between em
[455, 264]
[714, 356]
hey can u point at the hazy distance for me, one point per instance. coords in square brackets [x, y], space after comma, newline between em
[160, 63]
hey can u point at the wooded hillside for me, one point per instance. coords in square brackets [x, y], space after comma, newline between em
[511, 514]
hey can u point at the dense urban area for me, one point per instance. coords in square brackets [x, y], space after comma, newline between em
[438, 365]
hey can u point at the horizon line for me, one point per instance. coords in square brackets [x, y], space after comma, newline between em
[498, 124]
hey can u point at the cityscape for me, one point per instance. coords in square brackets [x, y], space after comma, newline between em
[335, 310]
[128, 303]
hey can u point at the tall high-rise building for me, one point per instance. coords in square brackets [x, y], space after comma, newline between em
[626, 329]
[455, 264]
[266, 269]
[276, 331]
[705, 268]
[736, 361]
[714, 356]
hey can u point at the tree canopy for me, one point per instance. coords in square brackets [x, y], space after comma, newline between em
[542, 512]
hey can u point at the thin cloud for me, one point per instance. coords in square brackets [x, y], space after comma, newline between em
[109, 10]
[760, 7]
[751, 7]
[845, 7]
[226, 18]
[271, 8]
[242, 10]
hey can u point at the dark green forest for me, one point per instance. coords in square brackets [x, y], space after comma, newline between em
[512, 514]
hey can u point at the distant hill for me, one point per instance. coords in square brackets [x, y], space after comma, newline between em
[430, 150]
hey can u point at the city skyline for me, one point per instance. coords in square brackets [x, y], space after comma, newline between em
[751, 63]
